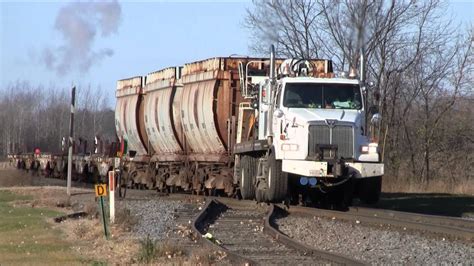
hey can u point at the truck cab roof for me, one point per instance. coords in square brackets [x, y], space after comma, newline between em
[318, 80]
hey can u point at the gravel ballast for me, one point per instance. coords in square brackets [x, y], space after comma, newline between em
[154, 217]
[376, 245]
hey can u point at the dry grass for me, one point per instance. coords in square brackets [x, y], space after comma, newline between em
[152, 251]
[206, 256]
[89, 241]
[464, 187]
[80, 230]
[169, 250]
[91, 209]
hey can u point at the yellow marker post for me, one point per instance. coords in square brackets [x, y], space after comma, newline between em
[101, 192]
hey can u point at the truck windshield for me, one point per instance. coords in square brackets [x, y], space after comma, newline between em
[322, 95]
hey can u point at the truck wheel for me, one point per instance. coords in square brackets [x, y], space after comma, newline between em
[370, 189]
[248, 172]
[348, 193]
[277, 180]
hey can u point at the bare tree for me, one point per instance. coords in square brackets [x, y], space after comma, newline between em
[421, 62]
[290, 25]
[39, 117]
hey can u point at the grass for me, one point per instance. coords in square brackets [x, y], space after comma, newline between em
[150, 251]
[147, 251]
[411, 185]
[205, 256]
[27, 237]
[439, 197]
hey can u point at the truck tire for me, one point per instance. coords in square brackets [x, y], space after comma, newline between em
[248, 172]
[370, 189]
[277, 180]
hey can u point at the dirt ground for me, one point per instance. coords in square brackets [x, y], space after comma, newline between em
[86, 236]
[86, 239]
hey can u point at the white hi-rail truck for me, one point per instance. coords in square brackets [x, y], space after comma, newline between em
[305, 132]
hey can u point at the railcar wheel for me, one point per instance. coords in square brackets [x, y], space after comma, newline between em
[370, 189]
[248, 171]
[277, 180]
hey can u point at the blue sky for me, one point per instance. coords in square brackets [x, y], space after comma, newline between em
[149, 37]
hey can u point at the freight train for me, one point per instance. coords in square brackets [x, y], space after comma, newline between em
[259, 128]
[256, 128]
[89, 167]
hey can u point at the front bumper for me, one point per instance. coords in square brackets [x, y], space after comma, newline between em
[320, 168]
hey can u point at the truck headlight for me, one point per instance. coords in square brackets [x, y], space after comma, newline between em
[289, 147]
[364, 149]
[371, 148]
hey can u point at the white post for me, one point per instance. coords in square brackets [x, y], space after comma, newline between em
[112, 196]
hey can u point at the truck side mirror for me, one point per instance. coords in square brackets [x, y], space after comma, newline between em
[376, 119]
[374, 114]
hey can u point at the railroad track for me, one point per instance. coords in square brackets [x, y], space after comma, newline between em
[244, 231]
[437, 226]
[414, 217]
[248, 232]
[281, 249]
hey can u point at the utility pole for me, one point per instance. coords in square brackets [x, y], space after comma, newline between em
[71, 141]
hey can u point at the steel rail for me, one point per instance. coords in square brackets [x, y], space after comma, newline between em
[415, 217]
[270, 229]
[198, 225]
[452, 227]
[215, 207]
[437, 225]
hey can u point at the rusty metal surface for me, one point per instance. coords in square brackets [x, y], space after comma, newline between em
[162, 117]
[176, 113]
[209, 106]
[158, 118]
[126, 124]
[198, 117]
[194, 114]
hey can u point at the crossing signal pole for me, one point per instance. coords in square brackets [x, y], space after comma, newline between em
[71, 141]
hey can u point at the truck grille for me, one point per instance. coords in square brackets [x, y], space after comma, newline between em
[340, 135]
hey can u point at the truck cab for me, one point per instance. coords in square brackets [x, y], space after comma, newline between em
[321, 119]
[313, 135]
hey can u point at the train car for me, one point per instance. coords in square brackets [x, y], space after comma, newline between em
[129, 114]
[182, 123]
[262, 129]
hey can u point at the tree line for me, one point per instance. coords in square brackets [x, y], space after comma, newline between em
[38, 117]
[420, 60]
